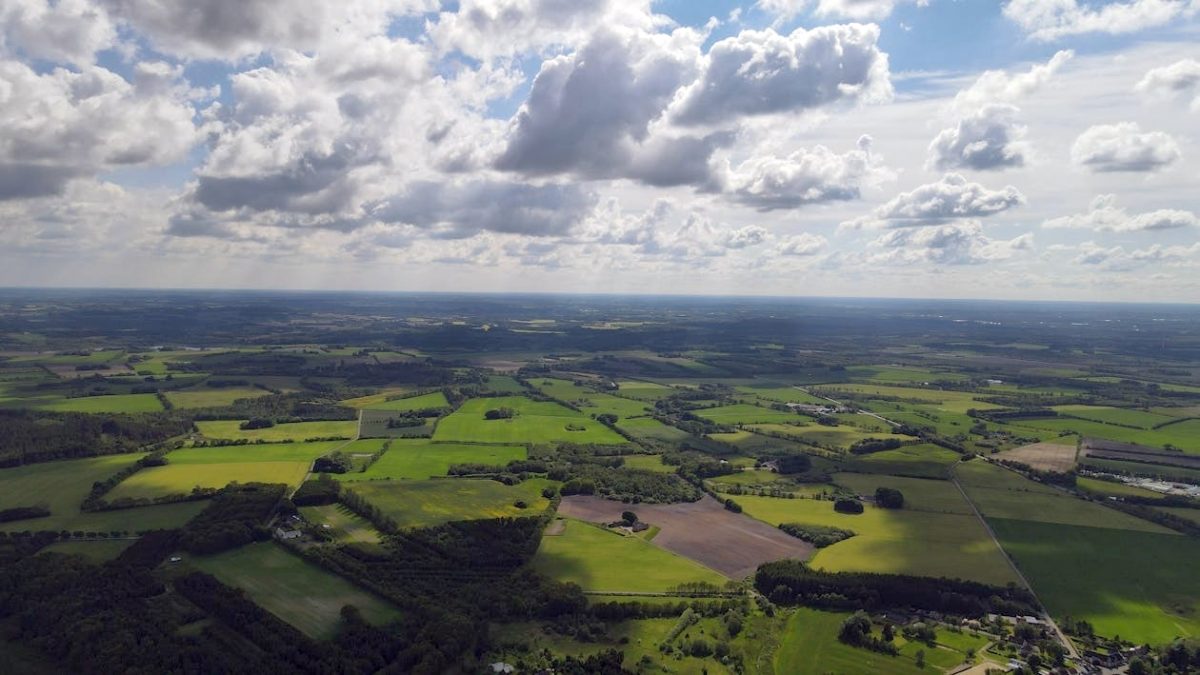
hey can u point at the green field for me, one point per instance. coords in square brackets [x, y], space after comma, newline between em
[433, 502]
[923, 459]
[421, 458]
[1105, 488]
[216, 467]
[840, 437]
[744, 413]
[920, 494]
[1000, 493]
[504, 384]
[902, 374]
[296, 591]
[645, 391]
[809, 646]
[116, 403]
[937, 399]
[1139, 585]
[649, 428]
[295, 431]
[599, 560]
[1182, 512]
[536, 422]
[905, 541]
[783, 394]
[648, 463]
[212, 397]
[345, 526]
[1109, 415]
[434, 400]
[591, 402]
[1184, 435]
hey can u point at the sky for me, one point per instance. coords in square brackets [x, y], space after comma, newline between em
[1006, 149]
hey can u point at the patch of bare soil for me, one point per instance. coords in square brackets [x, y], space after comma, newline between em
[733, 544]
[1043, 456]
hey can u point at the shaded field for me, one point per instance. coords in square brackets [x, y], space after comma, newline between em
[1139, 585]
[115, 403]
[421, 458]
[295, 431]
[433, 400]
[599, 560]
[345, 526]
[1106, 488]
[1043, 456]
[905, 541]
[433, 502]
[296, 591]
[923, 459]
[704, 531]
[536, 422]
[96, 551]
[212, 397]
[1000, 493]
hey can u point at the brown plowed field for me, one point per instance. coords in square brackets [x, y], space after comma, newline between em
[730, 543]
[1043, 456]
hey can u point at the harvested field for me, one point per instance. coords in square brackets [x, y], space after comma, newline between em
[733, 544]
[1043, 456]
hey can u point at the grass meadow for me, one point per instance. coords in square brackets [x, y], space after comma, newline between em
[536, 422]
[293, 589]
[599, 560]
[345, 526]
[295, 431]
[421, 458]
[115, 403]
[744, 413]
[434, 502]
[211, 397]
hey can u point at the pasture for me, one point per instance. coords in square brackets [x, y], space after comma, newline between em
[535, 422]
[922, 459]
[782, 394]
[1103, 488]
[1110, 415]
[211, 397]
[1184, 435]
[905, 541]
[1000, 493]
[503, 384]
[647, 463]
[345, 526]
[599, 560]
[294, 431]
[920, 494]
[588, 400]
[834, 438]
[433, 400]
[421, 458]
[744, 413]
[1139, 585]
[648, 428]
[642, 390]
[293, 589]
[434, 502]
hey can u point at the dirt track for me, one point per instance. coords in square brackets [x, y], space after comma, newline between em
[730, 543]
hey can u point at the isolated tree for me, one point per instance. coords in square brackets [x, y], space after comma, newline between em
[629, 517]
[889, 498]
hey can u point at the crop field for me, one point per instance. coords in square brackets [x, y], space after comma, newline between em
[591, 402]
[295, 431]
[536, 422]
[744, 413]
[1109, 415]
[421, 458]
[599, 560]
[293, 589]
[920, 494]
[645, 391]
[212, 397]
[650, 428]
[95, 551]
[648, 463]
[1184, 435]
[923, 459]
[116, 403]
[703, 531]
[433, 502]
[1014, 497]
[1142, 468]
[1058, 457]
[838, 438]
[377, 398]
[433, 400]
[903, 541]
[810, 646]
[1139, 585]
[782, 394]
[345, 526]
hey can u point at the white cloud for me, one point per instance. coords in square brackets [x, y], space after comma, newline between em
[1047, 20]
[949, 244]
[1124, 147]
[987, 140]
[763, 72]
[998, 86]
[806, 176]
[62, 124]
[1180, 79]
[1117, 258]
[951, 198]
[66, 31]
[1103, 215]
[858, 10]
[803, 244]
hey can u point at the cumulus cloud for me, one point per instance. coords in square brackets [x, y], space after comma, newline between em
[231, 30]
[66, 31]
[1104, 215]
[951, 198]
[806, 176]
[1124, 147]
[988, 140]
[803, 244]
[459, 210]
[763, 72]
[1178, 80]
[949, 244]
[858, 10]
[589, 112]
[1117, 258]
[1047, 20]
[998, 86]
[63, 124]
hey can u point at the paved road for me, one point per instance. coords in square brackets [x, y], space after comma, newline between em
[1025, 582]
